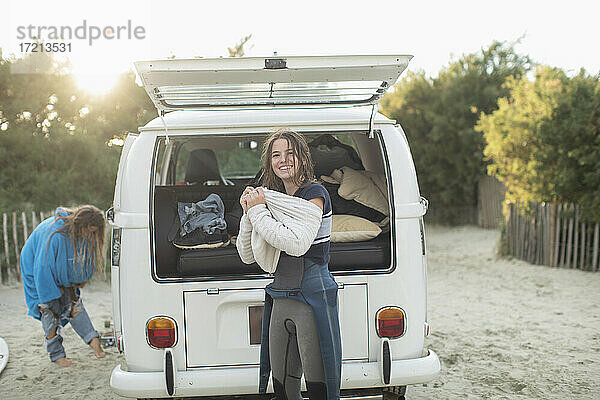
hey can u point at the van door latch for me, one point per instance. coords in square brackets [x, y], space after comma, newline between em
[212, 291]
[110, 215]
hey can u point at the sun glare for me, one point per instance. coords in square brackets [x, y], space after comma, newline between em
[96, 84]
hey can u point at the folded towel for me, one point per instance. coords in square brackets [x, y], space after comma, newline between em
[286, 223]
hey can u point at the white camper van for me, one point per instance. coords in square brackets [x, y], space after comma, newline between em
[188, 320]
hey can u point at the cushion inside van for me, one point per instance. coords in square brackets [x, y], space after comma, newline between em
[350, 228]
[368, 255]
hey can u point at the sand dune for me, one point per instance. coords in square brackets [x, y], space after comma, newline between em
[503, 329]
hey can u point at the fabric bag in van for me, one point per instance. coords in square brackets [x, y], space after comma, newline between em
[200, 225]
[328, 153]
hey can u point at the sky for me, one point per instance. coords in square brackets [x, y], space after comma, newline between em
[556, 33]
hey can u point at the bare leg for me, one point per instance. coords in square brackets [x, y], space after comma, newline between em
[81, 323]
[98, 352]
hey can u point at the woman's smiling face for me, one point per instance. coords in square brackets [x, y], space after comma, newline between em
[283, 161]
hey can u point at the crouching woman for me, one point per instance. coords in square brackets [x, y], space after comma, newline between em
[57, 260]
[292, 213]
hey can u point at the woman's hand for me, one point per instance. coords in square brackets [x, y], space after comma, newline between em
[244, 198]
[257, 196]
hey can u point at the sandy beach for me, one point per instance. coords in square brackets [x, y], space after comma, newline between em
[503, 329]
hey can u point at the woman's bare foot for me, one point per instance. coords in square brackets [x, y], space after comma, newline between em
[95, 344]
[64, 362]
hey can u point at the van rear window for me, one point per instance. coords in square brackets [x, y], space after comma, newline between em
[189, 169]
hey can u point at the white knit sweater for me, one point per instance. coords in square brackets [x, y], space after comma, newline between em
[286, 223]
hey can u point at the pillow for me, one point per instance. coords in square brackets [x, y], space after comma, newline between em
[350, 228]
[363, 187]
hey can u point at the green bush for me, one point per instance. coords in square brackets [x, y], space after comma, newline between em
[543, 141]
[439, 116]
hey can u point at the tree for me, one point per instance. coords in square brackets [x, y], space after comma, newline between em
[439, 115]
[543, 141]
[53, 137]
[56, 140]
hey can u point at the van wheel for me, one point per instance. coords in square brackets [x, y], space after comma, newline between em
[394, 393]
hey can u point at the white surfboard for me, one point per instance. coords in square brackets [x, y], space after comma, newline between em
[3, 354]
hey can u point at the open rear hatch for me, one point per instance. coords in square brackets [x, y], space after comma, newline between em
[277, 81]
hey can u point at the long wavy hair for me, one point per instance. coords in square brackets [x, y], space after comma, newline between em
[305, 170]
[88, 245]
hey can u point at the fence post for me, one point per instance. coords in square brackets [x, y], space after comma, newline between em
[576, 237]
[546, 240]
[25, 230]
[589, 249]
[516, 236]
[6, 249]
[557, 236]
[552, 238]
[16, 240]
[565, 233]
[545, 234]
[511, 216]
[509, 227]
[521, 234]
[531, 236]
[595, 253]
[569, 238]
[534, 224]
[527, 236]
[34, 222]
[583, 238]
[541, 232]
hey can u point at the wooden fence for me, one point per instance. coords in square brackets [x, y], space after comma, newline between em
[16, 227]
[490, 199]
[486, 214]
[553, 235]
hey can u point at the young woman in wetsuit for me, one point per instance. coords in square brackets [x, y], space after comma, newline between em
[301, 331]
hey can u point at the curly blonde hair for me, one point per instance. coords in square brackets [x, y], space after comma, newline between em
[304, 173]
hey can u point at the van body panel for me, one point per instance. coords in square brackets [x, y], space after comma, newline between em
[129, 139]
[401, 167]
[261, 120]
[141, 299]
[217, 325]
[115, 287]
[353, 315]
[244, 380]
[130, 220]
[136, 176]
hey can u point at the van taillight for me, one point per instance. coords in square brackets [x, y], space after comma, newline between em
[390, 322]
[161, 332]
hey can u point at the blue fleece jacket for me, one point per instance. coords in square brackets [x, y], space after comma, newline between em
[46, 266]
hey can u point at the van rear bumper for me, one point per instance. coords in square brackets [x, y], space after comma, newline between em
[244, 380]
